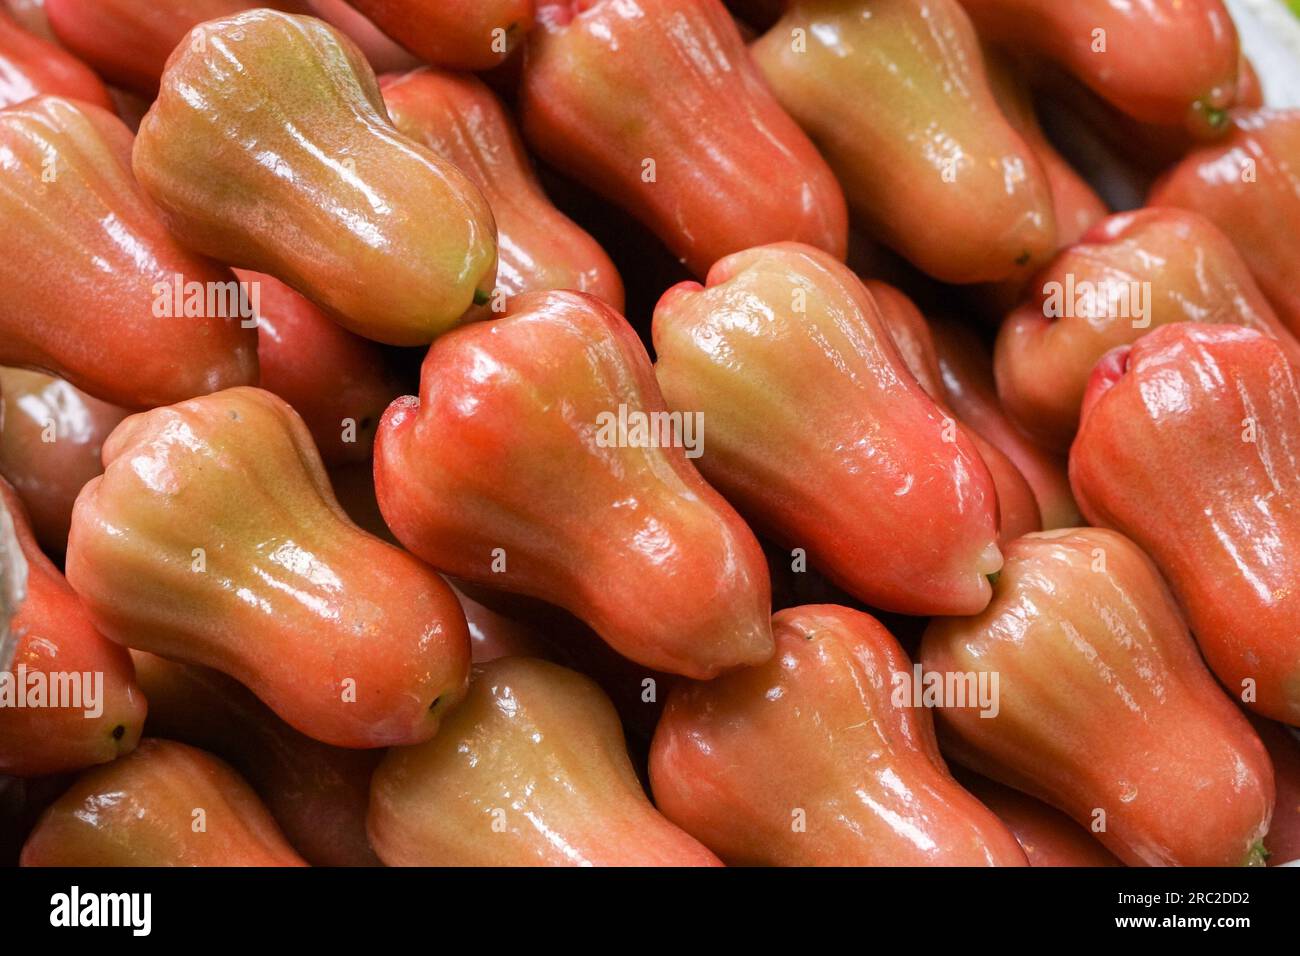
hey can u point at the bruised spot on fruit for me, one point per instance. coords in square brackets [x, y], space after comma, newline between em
[1023, 258]
[119, 731]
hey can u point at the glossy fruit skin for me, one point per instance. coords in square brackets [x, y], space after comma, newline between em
[971, 392]
[537, 749]
[1048, 836]
[927, 159]
[816, 729]
[50, 446]
[1018, 512]
[1259, 215]
[1075, 204]
[1283, 746]
[317, 794]
[839, 468]
[525, 627]
[95, 230]
[910, 332]
[330, 376]
[139, 811]
[500, 460]
[393, 242]
[1190, 445]
[1194, 274]
[56, 637]
[1136, 72]
[539, 248]
[349, 640]
[30, 15]
[128, 41]
[610, 84]
[1017, 507]
[1250, 91]
[1104, 704]
[383, 54]
[30, 66]
[456, 34]
[1149, 148]
[495, 635]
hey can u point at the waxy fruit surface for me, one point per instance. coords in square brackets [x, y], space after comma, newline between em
[1190, 445]
[213, 537]
[619, 529]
